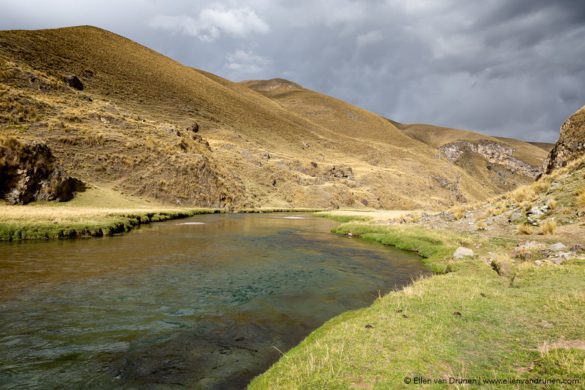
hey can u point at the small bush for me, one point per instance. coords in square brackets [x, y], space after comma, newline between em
[458, 213]
[552, 204]
[549, 227]
[525, 229]
[522, 194]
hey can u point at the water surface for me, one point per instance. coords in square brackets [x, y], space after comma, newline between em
[205, 302]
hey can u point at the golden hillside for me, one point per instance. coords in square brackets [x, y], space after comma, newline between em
[271, 144]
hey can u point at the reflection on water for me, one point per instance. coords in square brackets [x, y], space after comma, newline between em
[205, 302]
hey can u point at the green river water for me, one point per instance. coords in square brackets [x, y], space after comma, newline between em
[205, 302]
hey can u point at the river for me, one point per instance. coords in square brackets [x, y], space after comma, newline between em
[205, 302]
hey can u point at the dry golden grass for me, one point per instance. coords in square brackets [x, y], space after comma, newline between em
[525, 229]
[524, 193]
[548, 227]
[458, 212]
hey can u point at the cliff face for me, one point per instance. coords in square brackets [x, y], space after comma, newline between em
[29, 172]
[493, 152]
[571, 143]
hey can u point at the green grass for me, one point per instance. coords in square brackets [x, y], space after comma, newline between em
[90, 225]
[433, 247]
[106, 226]
[343, 218]
[468, 323]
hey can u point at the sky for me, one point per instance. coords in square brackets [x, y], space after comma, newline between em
[503, 67]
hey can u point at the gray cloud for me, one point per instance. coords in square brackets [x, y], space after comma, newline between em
[504, 67]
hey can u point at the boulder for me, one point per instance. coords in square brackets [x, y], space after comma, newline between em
[463, 252]
[74, 82]
[559, 246]
[29, 172]
[571, 143]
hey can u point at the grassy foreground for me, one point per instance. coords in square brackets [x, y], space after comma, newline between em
[468, 326]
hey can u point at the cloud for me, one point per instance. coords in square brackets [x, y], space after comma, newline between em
[369, 38]
[242, 64]
[211, 22]
[503, 67]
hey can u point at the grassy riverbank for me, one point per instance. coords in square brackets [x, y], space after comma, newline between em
[97, 212]
[468, 323]
[51, 222]
[100, 211]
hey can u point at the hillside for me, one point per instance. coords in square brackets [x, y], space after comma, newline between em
[149, 127]
[501, 165]
[474, 152]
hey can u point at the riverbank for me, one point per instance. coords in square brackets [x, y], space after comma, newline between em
[98, 212]
[512, 311]
[471, 322]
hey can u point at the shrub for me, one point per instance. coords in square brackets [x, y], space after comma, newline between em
[458, 213]
[552, 204]
[549, 227]
[525, 229]
[522, 194]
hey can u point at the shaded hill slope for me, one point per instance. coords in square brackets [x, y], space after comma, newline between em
[151, 127]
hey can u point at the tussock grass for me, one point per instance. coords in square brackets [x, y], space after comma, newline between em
[548, 227]
[525, 229]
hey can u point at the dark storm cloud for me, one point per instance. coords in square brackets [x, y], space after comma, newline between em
[505, 67]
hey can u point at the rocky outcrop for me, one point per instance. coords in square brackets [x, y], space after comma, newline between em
[29, 172]
[571, 143]
[491, 151]
[341, 172]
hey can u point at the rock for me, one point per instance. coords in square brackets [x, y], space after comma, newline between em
[29, 172]
[515, 217]
[538, 263]
[571, 143]
[493, 152]
[194, 127]
[535, 214]
[559, 246]
[341, 172]
[463, 252]
[74, 82]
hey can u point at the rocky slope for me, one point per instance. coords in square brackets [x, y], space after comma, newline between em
[116, 113]
[571, 143]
